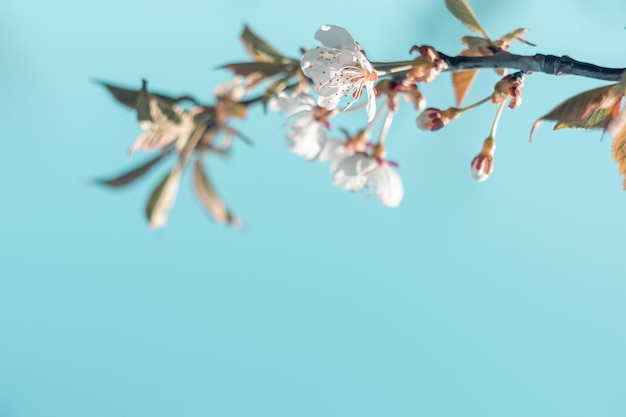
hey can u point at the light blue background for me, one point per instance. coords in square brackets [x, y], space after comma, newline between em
[506, 298]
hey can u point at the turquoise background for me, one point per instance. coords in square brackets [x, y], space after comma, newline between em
[505, 298]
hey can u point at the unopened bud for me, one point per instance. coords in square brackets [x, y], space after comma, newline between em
[511, 85]
[434, 119]
[427, 66]
[482, 164]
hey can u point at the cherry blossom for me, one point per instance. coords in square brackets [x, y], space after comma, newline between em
[339, 69]
[362, 171]
[306, 136]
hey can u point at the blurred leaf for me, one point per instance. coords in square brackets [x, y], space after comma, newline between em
[462, 81]
[162, 198]
[143, 103]
[273, 89]
[150, 108]
[462, 11]
[586, 110]
[230, 131]
[599, 118]
[517, 35]
[260, 50]
[129, 97]
[617, 130]
[246, 68]
[132, 175]
[209, 198]
[474, 42]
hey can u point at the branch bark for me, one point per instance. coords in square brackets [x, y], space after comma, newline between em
[548, 64]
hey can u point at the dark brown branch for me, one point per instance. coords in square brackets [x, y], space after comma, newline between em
[548, 64]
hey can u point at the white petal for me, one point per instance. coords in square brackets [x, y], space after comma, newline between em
[352, 172]
[291, 102]
[307, 141]
[334, 150]
[386, 184]
[335, 37]
[371, 101]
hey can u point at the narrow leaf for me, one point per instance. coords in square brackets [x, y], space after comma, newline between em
[462, 11]
[129, 97]
[143, 103]
[162, 198]
[133, 174]
[586, 110]
[258, 48]
[234, 132]
[462, 81]
[475, 42]
[517, 35]
[246, 68]
[273, 89]
[209, 198]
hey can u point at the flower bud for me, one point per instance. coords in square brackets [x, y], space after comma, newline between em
[511, 85]
[434, 119]
[482, 164]
[427, 66]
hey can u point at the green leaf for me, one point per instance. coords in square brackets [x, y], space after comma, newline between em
[462, 11]
[246, 68]
[273, 89]
[129, 97]
[587, 110]
[209, 198]
[258, 48]
[162, 198]
[517, 35]
[150, 108]
[133, 174]
[598, 118]
[475, 42]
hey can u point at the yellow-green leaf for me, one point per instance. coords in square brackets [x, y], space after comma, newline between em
[265, 68]
[585, 110]
[517, 35]
[273, 89]
[258, 48]
[462, 11]
[475, 42]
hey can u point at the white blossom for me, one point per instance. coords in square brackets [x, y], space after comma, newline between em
[361, 171]
[339, 69]
[351, 172]
[386, 185]
[306, 136]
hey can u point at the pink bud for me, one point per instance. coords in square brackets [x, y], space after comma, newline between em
[482, 167]
[431, 119]
[482, 164]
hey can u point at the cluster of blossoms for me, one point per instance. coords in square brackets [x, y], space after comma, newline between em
[316, 88]
[355, 163]
[339, 69]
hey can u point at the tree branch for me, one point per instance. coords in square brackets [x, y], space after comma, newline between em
[549, 64]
